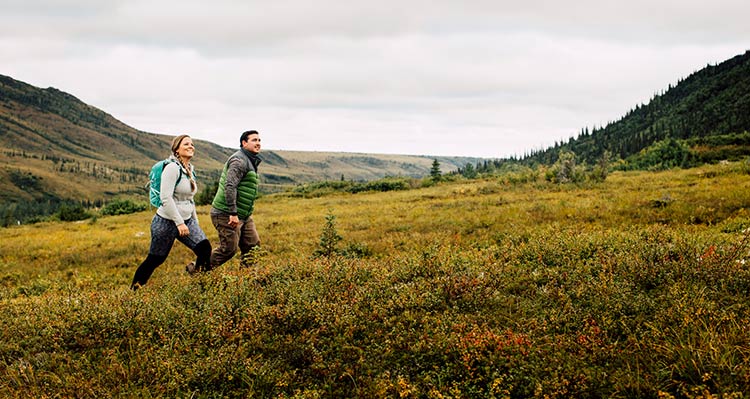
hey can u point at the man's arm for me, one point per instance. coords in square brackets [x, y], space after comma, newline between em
[236, 171]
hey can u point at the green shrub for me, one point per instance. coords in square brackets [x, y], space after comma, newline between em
[319, 189]
[357, 251]
[72, 212]
[123, 207]
[665, 154]
[383, 185]
[565, 170]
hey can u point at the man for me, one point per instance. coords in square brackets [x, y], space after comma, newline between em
[232, 208]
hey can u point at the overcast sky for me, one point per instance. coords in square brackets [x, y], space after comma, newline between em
[472, 78]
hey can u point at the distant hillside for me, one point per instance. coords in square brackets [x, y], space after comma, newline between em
[710, 108]
[57, 148]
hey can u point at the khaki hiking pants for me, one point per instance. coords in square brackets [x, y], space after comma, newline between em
[245, 236]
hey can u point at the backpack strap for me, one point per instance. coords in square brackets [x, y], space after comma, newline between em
[179, 177]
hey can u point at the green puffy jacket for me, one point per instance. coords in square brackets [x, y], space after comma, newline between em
[238, 185]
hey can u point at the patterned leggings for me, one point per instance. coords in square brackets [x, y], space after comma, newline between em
[163, 234]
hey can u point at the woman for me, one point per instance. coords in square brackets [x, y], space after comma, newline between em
[176, 217]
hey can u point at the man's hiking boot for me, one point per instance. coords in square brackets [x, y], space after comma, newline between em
[190, 268]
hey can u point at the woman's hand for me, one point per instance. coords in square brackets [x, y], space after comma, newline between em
[183, 229]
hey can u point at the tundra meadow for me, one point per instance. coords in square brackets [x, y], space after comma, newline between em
[505, 286]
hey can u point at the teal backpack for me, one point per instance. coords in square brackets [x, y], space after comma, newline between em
[154, 181]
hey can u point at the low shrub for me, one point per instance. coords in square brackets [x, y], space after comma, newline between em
[123, 207]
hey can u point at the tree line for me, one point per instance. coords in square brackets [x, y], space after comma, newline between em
[714, 101]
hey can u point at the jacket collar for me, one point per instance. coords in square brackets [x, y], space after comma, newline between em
[254, 158]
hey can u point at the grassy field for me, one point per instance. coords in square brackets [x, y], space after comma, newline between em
[502, 287]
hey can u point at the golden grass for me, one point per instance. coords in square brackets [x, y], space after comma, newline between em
[627, 288]
[464, 211]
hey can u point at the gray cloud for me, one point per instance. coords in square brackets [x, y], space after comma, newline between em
[485, 78]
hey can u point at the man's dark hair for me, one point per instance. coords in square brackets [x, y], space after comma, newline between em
[244, 135]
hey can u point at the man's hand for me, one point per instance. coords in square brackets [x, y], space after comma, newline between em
[234, 221]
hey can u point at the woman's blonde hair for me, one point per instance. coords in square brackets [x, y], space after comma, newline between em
[176, 143]
[176, 146]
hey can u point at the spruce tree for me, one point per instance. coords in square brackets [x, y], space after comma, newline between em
[435, 173]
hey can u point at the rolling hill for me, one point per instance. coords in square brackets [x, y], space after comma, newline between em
[57, 148]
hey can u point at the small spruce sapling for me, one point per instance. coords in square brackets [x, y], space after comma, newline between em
[329, 238]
